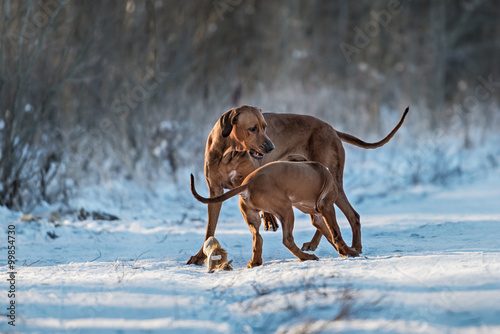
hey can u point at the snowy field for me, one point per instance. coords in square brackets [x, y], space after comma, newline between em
[431, 264]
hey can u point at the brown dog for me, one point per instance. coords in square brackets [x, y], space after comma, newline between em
[247, 129]
[275, 188]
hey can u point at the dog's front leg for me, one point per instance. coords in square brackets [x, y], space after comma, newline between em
[213, 217]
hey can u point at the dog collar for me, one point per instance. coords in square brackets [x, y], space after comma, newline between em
[214, 257]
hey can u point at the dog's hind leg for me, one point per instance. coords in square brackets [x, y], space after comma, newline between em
[328, 213]
[313, 244]
[352, 216]
[287, 222]
[252, 219]
[322, 230]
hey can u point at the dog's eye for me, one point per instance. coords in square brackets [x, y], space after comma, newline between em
[253, 130]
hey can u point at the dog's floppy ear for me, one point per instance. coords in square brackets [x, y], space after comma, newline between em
[227, 121]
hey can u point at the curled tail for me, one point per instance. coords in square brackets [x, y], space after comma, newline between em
[345, 137]
[218, 199]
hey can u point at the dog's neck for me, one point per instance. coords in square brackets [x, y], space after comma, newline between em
[222, 145]
[229, 143]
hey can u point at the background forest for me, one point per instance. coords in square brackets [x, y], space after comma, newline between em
[92, 91]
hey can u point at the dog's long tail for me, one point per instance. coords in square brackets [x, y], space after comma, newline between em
[221, 198]
[345, 137]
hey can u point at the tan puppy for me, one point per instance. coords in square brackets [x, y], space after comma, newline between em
[275, 188]
[236, 165]
[272, 137]
[216, 256]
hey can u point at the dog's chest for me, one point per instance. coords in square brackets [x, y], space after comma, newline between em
[232, 175]
[232, 179]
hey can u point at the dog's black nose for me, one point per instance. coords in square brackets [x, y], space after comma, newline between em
[269, 146]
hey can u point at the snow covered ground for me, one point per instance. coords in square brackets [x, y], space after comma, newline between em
[431, 264]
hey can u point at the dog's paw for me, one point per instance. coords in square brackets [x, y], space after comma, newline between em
[270, 222]
[358, 249]
[309, 247]
[312, 257]
[254, 264]
[354, 253]
[348, 252]
[309, 257]
[196, 259]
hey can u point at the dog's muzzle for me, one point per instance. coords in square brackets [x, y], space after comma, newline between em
[256, 155]
[268, 146]
[265, 148]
